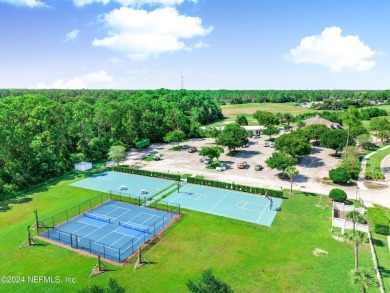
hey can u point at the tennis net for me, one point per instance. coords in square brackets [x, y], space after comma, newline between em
[96, 217]
[134, 226]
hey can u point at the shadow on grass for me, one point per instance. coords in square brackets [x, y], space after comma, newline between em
[384, 272]
[309, 193]
[378, 242]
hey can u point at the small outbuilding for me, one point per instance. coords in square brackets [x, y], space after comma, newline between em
[83, 166]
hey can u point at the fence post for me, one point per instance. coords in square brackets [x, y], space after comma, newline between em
[77, 242]
[90, 248]
[119, 255]
[163, 222]
[71, 240]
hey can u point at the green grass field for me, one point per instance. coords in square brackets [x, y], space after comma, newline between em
[374, 163]
[366, 123]
[231, 111]
[249, 257]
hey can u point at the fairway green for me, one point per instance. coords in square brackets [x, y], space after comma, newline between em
[249, 257]
[231, 111]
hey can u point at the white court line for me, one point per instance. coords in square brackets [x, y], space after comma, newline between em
[219, 201]
[118, 207]
[112, 244]
[104, 236]
[249, 209]
[85, 225]
[180, 195]
[85, 236]
[128, 235]
[139, 215]
[111, 211]
[262, 213]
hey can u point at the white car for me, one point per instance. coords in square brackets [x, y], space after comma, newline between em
[221, 167]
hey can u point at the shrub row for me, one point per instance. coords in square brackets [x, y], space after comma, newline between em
[146, 173]
[379, 221]
[238, 187]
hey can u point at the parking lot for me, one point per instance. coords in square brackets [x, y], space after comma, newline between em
[311, 168]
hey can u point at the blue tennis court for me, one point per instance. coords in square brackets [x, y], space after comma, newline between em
[231, 204]
[128, 183]
[113, 229]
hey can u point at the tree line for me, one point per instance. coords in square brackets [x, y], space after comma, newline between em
[330, 99]
[42, 137]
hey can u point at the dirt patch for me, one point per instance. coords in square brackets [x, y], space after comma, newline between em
[338, 238]
[375, 185]
[319, 252]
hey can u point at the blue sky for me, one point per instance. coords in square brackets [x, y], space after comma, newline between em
[216, 44]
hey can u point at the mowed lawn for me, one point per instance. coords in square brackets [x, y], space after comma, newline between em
[373, 164]
[250, 257]
[231, 111]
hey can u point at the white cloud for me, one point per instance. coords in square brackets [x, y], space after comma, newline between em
[72, 35]
[79, 82]
[80, 3]
[139, 33]
[137, 3]
[28, 3]
[334, 51]
[201, 44]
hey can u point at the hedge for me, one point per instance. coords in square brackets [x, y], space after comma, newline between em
[379, 221]
[146, 173]
[338, 195]
[238, 187]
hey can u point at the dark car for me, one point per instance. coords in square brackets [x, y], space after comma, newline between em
[192, 149]
[186, 146]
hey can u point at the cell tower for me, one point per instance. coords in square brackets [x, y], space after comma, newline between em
[182, 79]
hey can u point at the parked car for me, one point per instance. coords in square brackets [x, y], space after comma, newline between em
[157, 157]
[266, 144]
[242, 165]
[271, 145]
[221, 167]
[192, 149]
[185, 146]
[207, 161]
[256, 136]
[258, 167]
[245, 145]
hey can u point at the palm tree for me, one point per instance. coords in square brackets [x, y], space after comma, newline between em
[356, 238]
[365, 278]
[355, 217]
[291, 172]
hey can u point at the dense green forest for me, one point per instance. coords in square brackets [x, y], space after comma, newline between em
[330, 99]
[44, 134]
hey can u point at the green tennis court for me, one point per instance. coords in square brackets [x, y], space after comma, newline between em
[227, 203]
